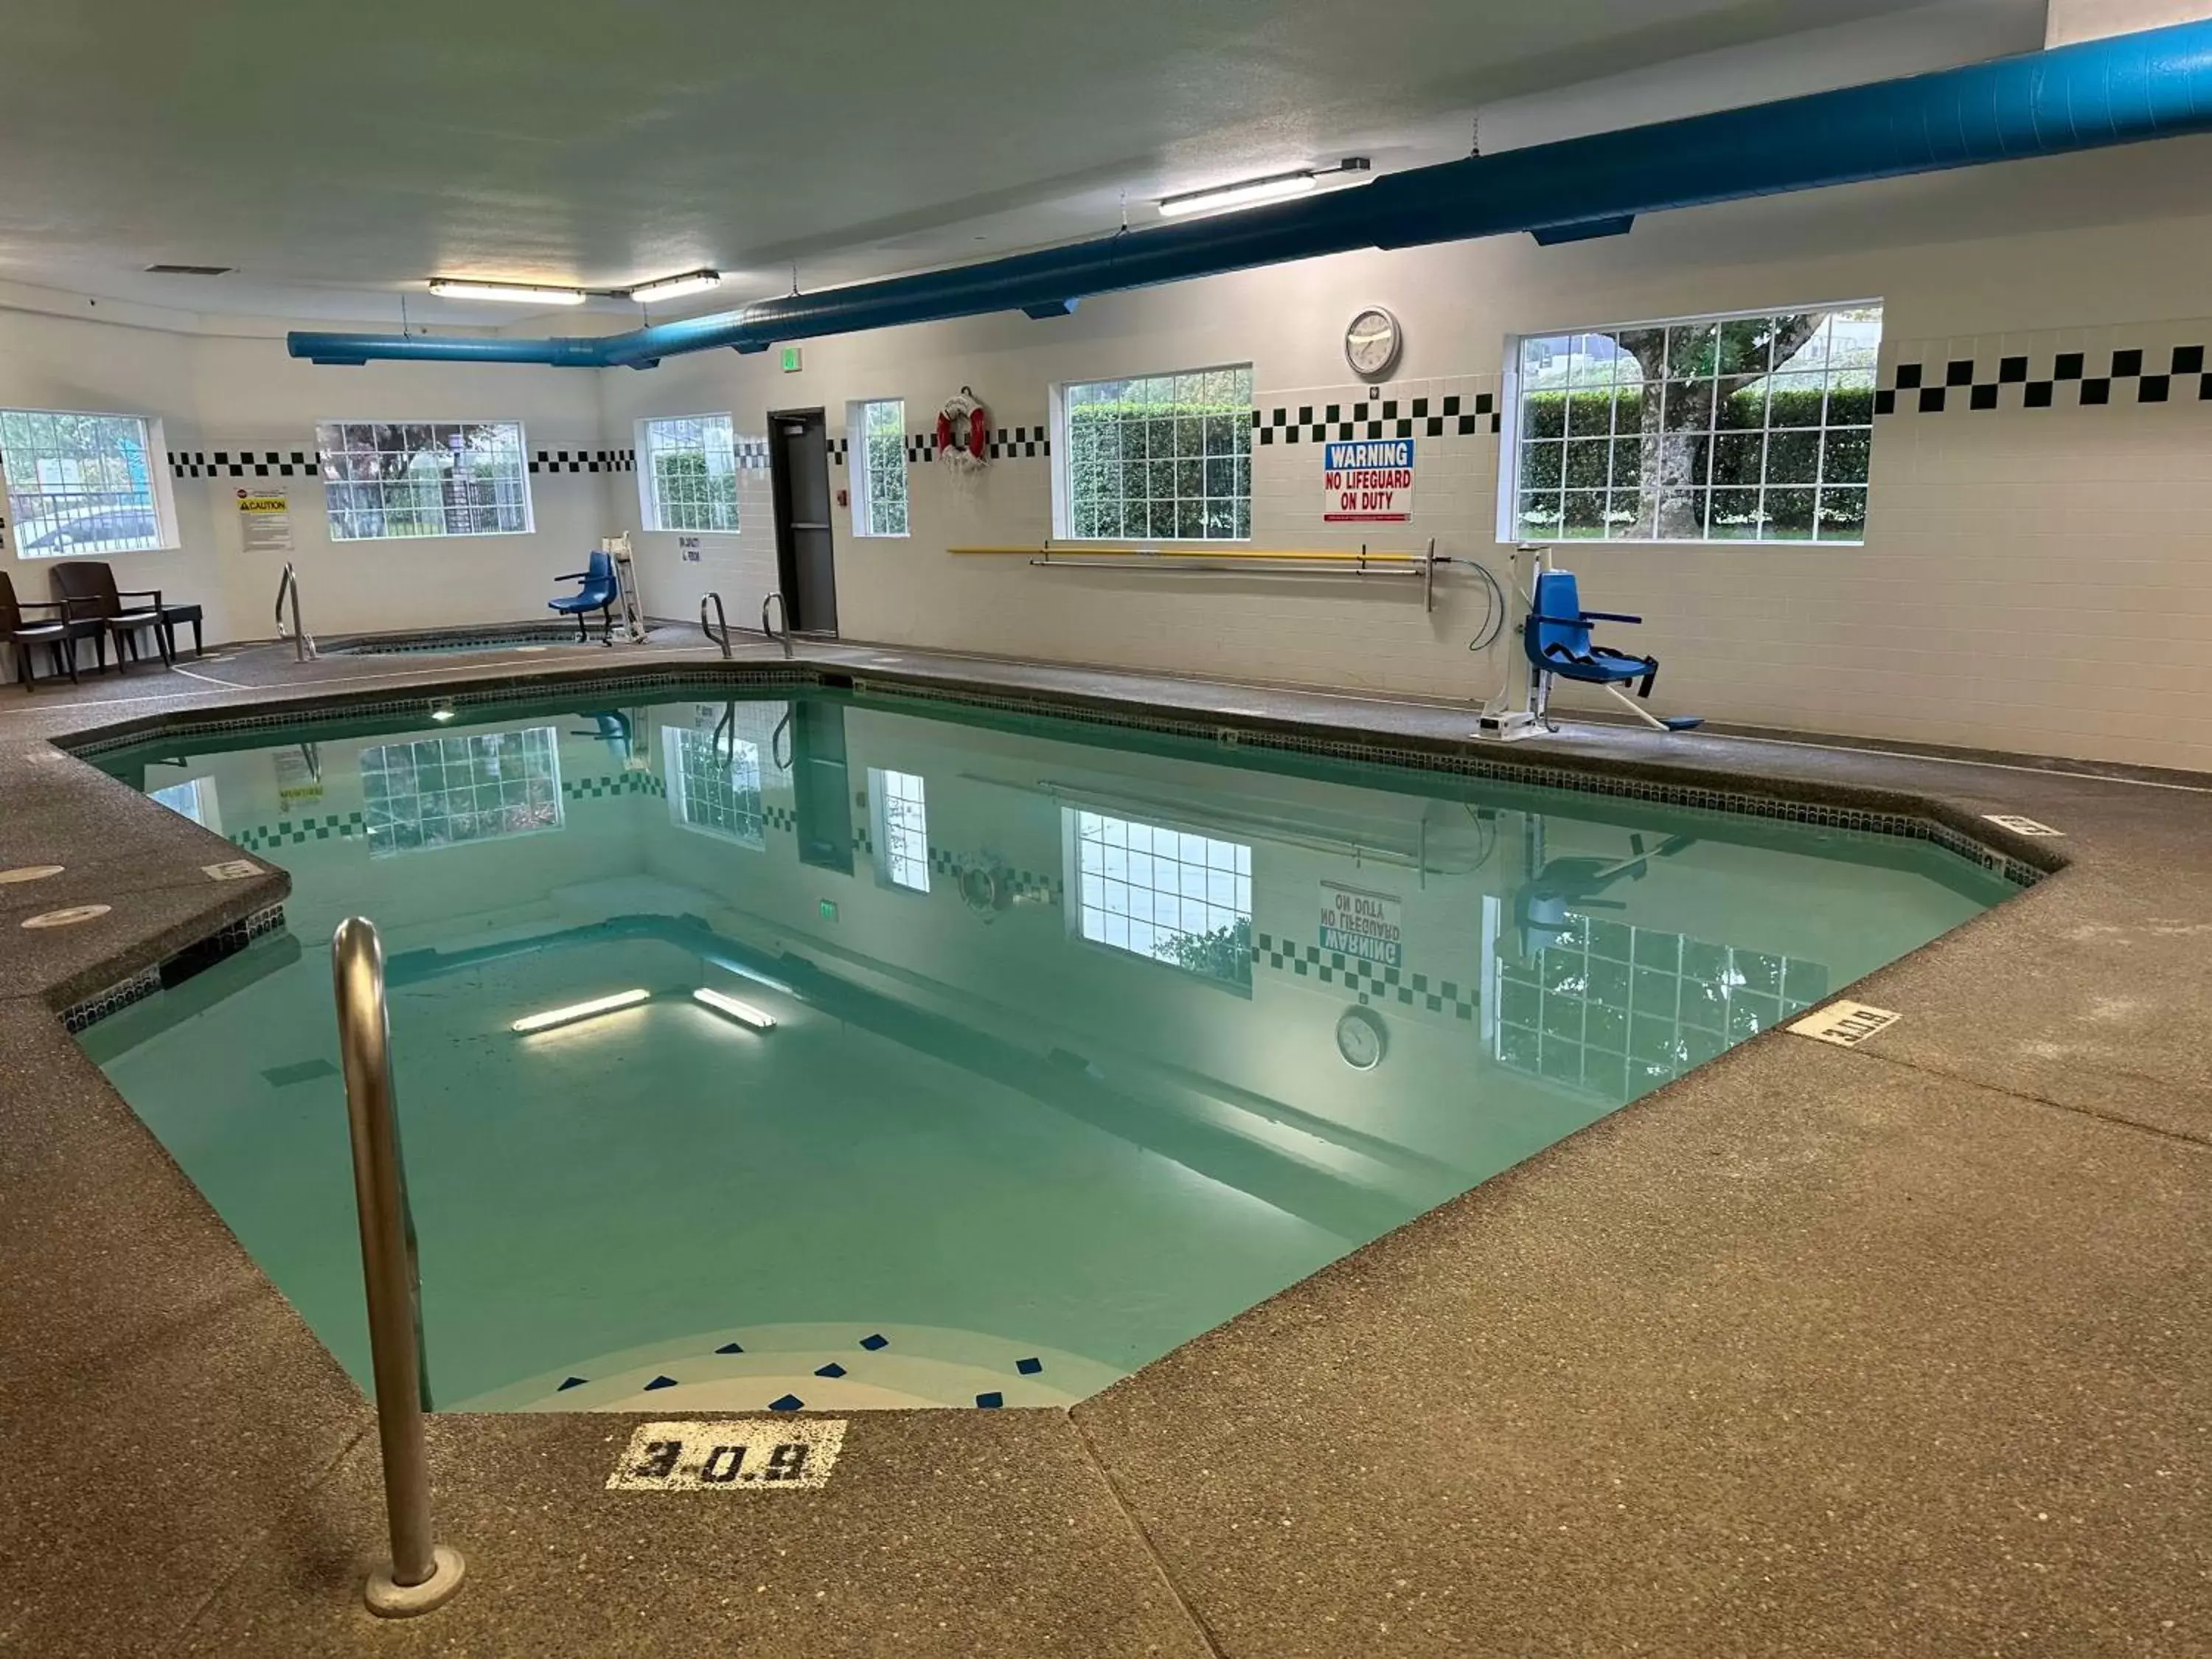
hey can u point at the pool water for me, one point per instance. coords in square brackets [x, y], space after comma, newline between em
[1085, 1039]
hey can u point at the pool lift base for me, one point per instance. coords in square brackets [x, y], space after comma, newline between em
[388, 1600]
[1521, 708]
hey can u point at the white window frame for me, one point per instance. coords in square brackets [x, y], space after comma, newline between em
[166, 539]
[859, 469]
[1063, 456]
[522, 451]
[1081, 905]
[899, 870]
[1511, 401]
[648, 493]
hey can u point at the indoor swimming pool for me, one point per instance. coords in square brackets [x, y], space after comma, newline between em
[830, 1050]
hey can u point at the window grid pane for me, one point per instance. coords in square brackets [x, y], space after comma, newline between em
[384, 479]
[1165, 895]
[881, 457]
[903, 818]
[690, 467]
[1748, 426]
[443, 792]
[78, 484]
[714, 781]
[1165, 456]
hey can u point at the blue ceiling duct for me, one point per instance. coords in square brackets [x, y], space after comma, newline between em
[2155, 84]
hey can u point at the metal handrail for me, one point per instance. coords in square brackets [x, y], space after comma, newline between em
[288, 586]
[782, 609]
[721, 639]
[423, 1573]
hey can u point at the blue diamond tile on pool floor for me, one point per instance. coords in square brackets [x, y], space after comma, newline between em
[662, 1382]
[790, 1402]
[573, 1383]
[730, 1347]
[1029, 1367]
[991, 1401]
[873, 1343]
[833, 1369]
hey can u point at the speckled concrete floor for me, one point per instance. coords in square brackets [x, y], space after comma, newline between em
[1901, 1350]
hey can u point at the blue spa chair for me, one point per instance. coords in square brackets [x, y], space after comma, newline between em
[598, 593]
[1556, 637]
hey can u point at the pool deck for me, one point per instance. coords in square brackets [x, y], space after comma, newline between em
[1900, 1349]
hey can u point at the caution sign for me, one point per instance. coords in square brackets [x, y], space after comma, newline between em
[1370, 482]
[265, 520]
[1369, 927]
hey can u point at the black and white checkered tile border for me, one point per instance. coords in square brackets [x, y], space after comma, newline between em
[1370, 981]
[1926, 388]
[174, 970]
[241, 464]
[1387, 417]
[584, 460]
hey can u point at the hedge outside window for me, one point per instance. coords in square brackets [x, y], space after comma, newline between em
[690, 475]
[424, 478]
[1155, 457]
[1756, 426]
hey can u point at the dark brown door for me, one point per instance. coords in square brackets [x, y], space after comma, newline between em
[799, 459]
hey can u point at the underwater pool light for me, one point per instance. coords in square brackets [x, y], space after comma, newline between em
[575, 1012]
[744, 1012]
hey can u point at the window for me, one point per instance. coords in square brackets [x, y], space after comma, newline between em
[878, 434]
[689, 479]
[193, 798]
[1747, 428]
[1164, 894]
[715, 779]
[80, 483]
[1157, 458]
[902, 829]
[443, 792]
[424, 478]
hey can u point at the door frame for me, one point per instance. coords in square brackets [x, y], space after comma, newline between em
[786, 548]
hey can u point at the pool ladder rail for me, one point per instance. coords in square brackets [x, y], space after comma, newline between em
[718, 630]
[287, 587]
[424, 1574]
[783, 611]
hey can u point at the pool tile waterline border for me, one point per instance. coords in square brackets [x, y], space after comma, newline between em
[1224, 729]
[174, 970]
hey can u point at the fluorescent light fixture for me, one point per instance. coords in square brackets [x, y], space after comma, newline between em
[1249, 192]
[752, 974]
[441, 711]
[675, 287]
[577, 1011]
[446, 288]
[744, 1012]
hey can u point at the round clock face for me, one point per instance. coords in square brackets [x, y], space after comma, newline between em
[1372, 344]
[1360, 1039]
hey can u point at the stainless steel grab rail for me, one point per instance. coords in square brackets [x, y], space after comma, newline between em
[424, 1574]
[288, 586]
[721, 639]
[783, 610]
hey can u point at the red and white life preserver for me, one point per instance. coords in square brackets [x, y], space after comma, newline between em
[964, 432]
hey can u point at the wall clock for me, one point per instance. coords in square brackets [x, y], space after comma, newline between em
[1361, 1039]
[1372, 344]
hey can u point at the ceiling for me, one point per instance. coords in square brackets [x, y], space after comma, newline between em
[338, 156]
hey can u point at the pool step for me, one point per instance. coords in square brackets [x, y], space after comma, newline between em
[812, 1367]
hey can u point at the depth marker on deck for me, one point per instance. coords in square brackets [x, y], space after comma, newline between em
[1846, 1025]
[2019, 825]
[730, 1455]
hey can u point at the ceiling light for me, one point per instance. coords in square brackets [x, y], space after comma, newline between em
[519, 292]
[744, 1012]
[675, 287]
[1249, 193]
[575, 1012]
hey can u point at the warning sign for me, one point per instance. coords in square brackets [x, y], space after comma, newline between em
[265, 520]
[1370, 482]
[1367, 926]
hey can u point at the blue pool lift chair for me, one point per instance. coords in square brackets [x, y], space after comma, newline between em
[599, 592]
[1556, 638]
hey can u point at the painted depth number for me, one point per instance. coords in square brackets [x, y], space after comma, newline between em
[730, 1456]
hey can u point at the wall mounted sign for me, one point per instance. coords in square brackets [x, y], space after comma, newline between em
[730, 1455]
[689, 547]
[1846, 1025]
[1367, 482]
[265, 520]
[1367, 926]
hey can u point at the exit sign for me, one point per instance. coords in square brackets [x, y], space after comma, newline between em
[791, 360]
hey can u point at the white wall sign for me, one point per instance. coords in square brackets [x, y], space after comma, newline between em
[264, 520]
[689, 547]
[1367, 482]
[1368, 926]
[731, 1455]
[1846, 1025]
[296, 783]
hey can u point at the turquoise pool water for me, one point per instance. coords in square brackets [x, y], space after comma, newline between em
[1084, 1040]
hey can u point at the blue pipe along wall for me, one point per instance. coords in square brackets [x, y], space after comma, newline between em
[2125, 89]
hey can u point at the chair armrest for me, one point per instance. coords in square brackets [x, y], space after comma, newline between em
[573, 576]
[1563, 622]
[152, 594]
[1608, 615]
[62, 605]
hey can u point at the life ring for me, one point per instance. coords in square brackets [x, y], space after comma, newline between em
[963, 450]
